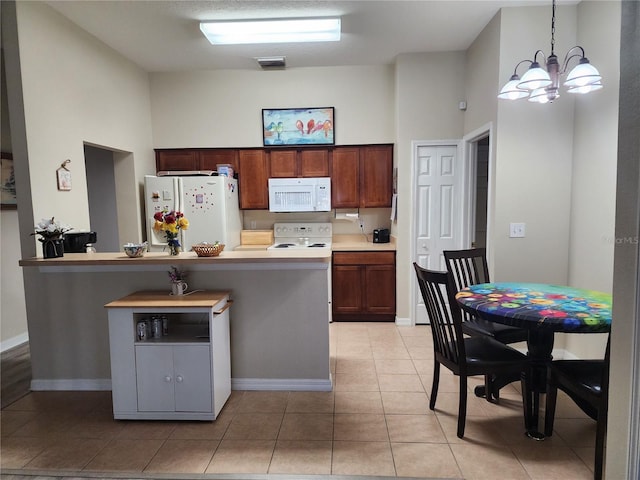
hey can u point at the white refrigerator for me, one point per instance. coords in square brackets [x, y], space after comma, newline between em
[209, 203]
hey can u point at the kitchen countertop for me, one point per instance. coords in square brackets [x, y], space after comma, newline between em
[241, 254]
[185, 258]
[358, 242]
[344, 243]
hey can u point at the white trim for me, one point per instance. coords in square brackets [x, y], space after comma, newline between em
[79, 384]
[276, 384]
[469, 169]
[282, 384]
[14, 341]
[404, 322]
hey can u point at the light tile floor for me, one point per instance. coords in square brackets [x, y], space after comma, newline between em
[376, 422]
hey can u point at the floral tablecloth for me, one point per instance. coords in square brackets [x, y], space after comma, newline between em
[533, 305]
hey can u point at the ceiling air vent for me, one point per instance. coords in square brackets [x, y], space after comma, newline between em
[271, 63]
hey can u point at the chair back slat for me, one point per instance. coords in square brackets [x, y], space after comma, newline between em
[443, 312]
[467, 267]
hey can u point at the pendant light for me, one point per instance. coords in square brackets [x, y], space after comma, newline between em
[541, 85]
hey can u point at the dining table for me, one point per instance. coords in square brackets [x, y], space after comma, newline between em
[543, 310]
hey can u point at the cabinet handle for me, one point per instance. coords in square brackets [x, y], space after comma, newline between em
[226, 307]
[167, 379]
[179, 378]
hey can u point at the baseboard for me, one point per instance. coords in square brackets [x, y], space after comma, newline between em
[14, 342]
[403, 322]
[282, 384]
[276, 384]
[79, 384]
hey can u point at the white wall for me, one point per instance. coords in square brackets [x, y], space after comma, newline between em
[13, 314]
[533, 158]
[429, 87]
[224, 108]
[76, 90]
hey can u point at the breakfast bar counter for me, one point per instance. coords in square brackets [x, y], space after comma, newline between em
[279, 322]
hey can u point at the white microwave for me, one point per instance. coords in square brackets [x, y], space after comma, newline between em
[300, 194]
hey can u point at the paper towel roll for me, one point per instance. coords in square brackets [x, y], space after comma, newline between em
[352, 217]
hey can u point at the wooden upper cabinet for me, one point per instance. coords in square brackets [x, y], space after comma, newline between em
[299, 163]
[345, 174]
[283, 164]
[376, 176]
[195, 159]
[179, 159]
[210, 159]
[314, 163]
[253, 179]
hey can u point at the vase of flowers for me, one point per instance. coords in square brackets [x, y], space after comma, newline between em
[50, 234]
[171, 223]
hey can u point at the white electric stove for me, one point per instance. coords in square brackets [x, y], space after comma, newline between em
[300, 236]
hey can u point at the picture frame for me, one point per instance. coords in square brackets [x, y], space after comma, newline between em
[7, 183]
[64, 178]
[298, 126]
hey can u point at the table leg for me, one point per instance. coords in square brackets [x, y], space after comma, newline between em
[540, 345]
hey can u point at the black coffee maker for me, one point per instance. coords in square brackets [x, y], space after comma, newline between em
[76, 242]
[381, 235]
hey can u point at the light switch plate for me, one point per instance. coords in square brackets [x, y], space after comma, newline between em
[516, 230]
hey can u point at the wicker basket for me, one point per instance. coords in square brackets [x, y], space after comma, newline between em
[208, 249]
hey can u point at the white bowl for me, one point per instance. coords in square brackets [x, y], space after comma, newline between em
[134, 250]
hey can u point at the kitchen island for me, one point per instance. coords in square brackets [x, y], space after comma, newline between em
[279, 321]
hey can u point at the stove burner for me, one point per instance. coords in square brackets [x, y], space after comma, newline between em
[285, 245]
[317, 245]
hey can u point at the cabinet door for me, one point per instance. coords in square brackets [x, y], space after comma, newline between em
[380, 289]
[182, 159]
[192, 371]
[376, 176]
[210, 159]
[253, 179]
[345, 172]
[347, 289]
[154, 377]
[282, 163]
[314, 163]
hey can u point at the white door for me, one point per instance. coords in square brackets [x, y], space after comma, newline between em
[438, 209]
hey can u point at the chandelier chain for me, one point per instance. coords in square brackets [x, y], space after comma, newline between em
[553, 26]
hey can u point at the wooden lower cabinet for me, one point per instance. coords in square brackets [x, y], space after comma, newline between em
[364, 286]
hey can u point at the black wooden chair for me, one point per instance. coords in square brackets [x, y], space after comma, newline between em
[469, 267]
[587, 384]
[464, 356]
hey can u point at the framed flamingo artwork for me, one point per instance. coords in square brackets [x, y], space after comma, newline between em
[298, 126]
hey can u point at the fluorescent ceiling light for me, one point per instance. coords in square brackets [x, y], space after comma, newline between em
[272, 31]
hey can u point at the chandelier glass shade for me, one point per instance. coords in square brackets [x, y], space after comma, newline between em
[542, 85]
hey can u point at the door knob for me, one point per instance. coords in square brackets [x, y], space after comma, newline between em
[179, 379]
[167, 379]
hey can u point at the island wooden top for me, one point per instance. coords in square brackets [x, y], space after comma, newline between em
[163, 299]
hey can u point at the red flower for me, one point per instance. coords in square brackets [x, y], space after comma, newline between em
[169, 218]
[158, 216]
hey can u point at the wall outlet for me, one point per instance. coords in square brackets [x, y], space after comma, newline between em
[517, 230]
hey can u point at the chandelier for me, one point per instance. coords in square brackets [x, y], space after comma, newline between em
[542, 86]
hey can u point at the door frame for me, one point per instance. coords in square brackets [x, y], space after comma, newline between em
[469, 155]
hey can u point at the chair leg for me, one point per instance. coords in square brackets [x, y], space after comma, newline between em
[434, 385]
[601, 431]
[462, 406]
[550, 407]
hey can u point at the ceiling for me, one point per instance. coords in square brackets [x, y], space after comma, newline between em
[164, 36]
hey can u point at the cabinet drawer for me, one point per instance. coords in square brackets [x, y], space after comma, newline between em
[364, 258]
